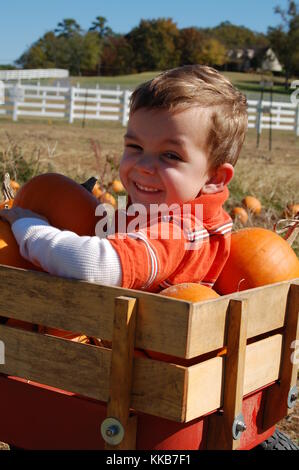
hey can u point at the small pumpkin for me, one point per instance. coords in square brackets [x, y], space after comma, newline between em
[14, 186]
[253, 204]
[107, 198]
[97, 190]
[240, 214]
[6, 204]
[291, 210]
[257, 257]
[117, 186]
[192, 292]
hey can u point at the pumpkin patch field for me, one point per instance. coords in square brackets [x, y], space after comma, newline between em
[264, 196]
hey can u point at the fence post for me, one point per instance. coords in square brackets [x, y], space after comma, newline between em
[297, 121]
[125, 107]
[259, 111]
[71, 105]
[15, 105]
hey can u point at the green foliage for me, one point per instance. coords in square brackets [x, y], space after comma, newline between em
[117, 57]
[233, 36]
[154, 44]
[284, 38]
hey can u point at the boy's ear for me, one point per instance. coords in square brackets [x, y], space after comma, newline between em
[220, 177]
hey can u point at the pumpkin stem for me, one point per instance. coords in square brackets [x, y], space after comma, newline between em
[7, 190]
[89, 184]
[290, 226]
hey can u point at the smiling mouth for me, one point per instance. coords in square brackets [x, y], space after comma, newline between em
[146, 189]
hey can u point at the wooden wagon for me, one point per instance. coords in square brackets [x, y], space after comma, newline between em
[237, 383]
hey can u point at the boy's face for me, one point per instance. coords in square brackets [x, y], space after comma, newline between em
[164, 159]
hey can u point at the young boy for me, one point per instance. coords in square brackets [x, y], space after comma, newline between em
[185, 132]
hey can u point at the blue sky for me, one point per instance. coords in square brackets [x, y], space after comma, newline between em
[22, 22]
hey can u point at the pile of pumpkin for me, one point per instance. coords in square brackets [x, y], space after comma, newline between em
[258, 256]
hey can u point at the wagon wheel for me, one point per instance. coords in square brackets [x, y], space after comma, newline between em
[278, 441]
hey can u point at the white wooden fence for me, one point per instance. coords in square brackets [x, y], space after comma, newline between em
[103, 104]
[65, 103]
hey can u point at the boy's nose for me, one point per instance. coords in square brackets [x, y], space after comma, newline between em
[145, 165]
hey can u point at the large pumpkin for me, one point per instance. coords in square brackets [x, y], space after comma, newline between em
[258, 257]
[66, 204]
[192, 292]
[9, 249]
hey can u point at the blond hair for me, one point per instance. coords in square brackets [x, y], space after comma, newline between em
[203, 86]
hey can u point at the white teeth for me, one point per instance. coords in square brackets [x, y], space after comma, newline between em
[145, 188]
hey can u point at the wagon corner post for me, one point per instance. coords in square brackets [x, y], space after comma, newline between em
[121, 374]
[277, 398]
[221, 426]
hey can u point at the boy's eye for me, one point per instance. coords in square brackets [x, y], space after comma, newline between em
[134, 146]
[171, 156]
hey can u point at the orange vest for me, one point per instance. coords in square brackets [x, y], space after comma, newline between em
[188, 244]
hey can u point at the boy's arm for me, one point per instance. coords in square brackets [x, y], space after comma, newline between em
[66, 254]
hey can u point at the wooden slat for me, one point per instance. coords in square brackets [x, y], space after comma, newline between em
[121, 372]
[205, 380]
[266, 312]
[276, 399]
[158, 388]
[164, 324]
[87, 308]
[161, 389]
[57, 362]
[220, 426]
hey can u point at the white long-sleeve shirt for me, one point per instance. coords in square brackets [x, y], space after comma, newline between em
[66, 254]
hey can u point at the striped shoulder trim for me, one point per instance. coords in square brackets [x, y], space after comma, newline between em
[222, 229]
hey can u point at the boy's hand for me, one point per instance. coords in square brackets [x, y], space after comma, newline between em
[15, 213]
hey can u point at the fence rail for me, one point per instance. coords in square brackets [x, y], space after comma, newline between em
[113, 105]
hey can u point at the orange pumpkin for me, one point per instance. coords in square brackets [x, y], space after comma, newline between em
[253, 204]
[9, 249]
[240, 213]
[97, 190]
[107, 198]
[291, 210]
[66, 204]
[117, 186]
[14, 186]
[6, 204]
[257, 257]
[192, 292]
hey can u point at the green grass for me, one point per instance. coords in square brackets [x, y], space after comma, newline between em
[246, 82]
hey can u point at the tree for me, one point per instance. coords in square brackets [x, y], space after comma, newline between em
[284, 39]
[233, 36]
[154, 44]
[67, 28]
[117, 57]
[99, 25]
[43, 53]
[213, 52]
[189, 43]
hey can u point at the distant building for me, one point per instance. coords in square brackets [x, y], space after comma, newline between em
[255, 58]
